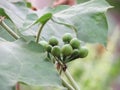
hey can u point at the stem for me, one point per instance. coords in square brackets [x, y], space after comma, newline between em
[39, 32]
[68, 25]
[9, 30]
[69, 77]
[17, 86]
[66, 84]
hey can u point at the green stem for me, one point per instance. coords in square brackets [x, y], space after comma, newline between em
[69, 77]
[68, 25]
[66, 84]
[39, 32]
[9, 30]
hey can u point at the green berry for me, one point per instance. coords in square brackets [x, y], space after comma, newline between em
[56, 51]
[83, 52]
[49, 48]
[75, 43]
[53, 41]
[43, 43]
[67, 37]
[66, 50]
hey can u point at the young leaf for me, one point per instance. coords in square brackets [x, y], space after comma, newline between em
[2, 13]
[43, 19]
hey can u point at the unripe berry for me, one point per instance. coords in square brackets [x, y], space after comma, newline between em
[83, 52]
[49, 48]
[53, 41]
[56, 51]
[67, 37]
[75, 43]
[66, 50]
[44, 44]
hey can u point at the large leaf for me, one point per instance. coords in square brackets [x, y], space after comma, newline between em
[26, 63]
[89, 19]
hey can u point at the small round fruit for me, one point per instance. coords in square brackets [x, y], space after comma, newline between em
[66, 50]
[49, 48]
[53, 41]
[43, 43]
[75, 43]
[67, 37]
[83, 52]
[56, 51]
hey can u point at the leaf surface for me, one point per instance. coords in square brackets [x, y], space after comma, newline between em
[26, 63]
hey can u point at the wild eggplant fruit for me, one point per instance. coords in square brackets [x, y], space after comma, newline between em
[67, 38]
[75, 43]
[53, 41]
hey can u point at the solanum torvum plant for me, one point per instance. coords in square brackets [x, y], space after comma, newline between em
[37, 46]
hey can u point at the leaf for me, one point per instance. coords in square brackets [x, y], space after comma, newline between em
[89, 19]
[1, 39]
[43, 19]
[17, 15]
[58, 8]
[2, 13]
[29, 5]
[22, 62]
[115, 3]
[57, 30]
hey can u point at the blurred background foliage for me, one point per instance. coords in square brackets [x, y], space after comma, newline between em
[100, 70]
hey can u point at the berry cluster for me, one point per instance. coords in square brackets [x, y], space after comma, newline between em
[71, 49]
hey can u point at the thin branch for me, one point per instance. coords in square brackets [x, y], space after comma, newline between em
[72, 81]
[9, 30]
[67, 85]
[39, 32]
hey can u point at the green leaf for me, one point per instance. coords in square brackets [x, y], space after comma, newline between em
[43, 19]
[2, 13]
[29, 5]
[115, 3]
[16, 12]
[89, 20]
[59, 8]
[22, 62]
[1, 39]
